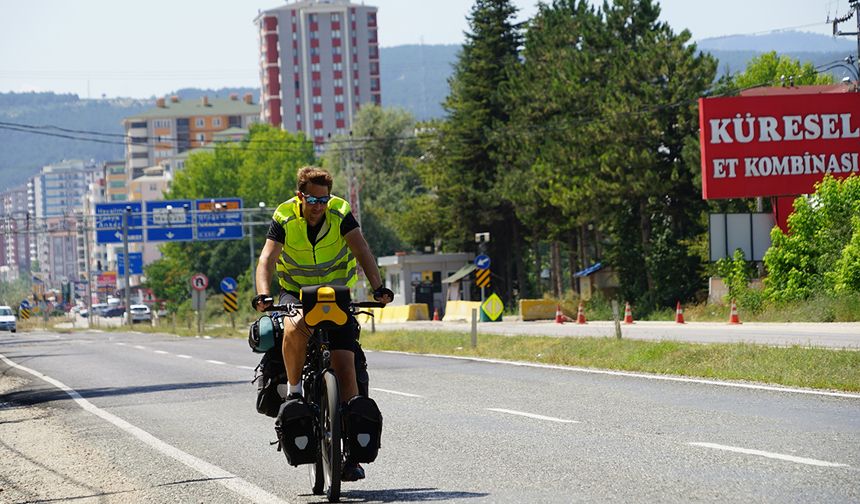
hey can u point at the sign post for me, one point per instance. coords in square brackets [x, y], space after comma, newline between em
[228, 287]
[199, 282]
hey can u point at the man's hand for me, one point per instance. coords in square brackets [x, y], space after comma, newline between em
[383, 295]
[259, 302]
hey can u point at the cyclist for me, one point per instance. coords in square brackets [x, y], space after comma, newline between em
[313, 240]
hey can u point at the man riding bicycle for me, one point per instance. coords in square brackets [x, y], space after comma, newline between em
[313, 240]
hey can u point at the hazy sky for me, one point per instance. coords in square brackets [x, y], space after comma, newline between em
[147, 48]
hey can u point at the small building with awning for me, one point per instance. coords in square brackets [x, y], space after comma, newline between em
[428, 278]
[597, 277]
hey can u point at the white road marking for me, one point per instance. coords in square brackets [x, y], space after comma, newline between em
[532, 415]
[183, 356]
[161, 352]
[246, 367]
[404, 394]
[216, 362]
[120, 343]
[637, 375]
[778, 456]
[140, 347]
[211, 471]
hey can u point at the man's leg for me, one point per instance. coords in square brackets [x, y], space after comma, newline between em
[294, 348]
[343, 362]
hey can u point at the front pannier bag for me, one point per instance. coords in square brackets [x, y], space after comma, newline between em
[295, 429]
[364, 427]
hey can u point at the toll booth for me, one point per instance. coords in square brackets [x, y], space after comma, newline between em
[418, 278]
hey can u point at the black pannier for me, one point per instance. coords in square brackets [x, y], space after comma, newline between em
[269, 374]
[364, 428]
[295, 429]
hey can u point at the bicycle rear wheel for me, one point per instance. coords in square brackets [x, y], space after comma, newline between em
[317, 476]
[330, 444]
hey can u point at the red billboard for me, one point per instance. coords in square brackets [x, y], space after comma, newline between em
[777, 145]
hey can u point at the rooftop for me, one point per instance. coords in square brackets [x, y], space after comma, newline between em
[203, 107]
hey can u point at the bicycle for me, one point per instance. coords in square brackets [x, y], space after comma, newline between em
[324, 308]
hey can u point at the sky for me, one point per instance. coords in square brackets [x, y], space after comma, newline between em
[125, 48]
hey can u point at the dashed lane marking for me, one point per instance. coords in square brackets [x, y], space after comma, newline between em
[771, 455]
[216, 362]
[532, 415]
[404, 394]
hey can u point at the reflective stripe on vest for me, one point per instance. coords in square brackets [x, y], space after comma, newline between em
[329, 261]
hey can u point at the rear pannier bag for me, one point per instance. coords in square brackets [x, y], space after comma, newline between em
[270, 373]
[364, 428]
[295, 429]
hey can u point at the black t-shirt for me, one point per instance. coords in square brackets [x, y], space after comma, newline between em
[277, 233]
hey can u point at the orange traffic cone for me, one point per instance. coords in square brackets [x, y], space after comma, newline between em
[580, 314]
[733, 316]
[559, 316]
[628, 314]
[436, 315]
[679, 314]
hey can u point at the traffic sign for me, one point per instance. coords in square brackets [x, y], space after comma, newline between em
[482, 278]
[135, 263]
[25, 304]
[217, 219]
[228, 284]
[493, 308]
[230, 302]
[199, 282]
[482, 262]
[109, 222]
[169, 220]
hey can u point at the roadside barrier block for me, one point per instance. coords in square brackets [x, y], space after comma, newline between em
[461, 310]
[396, 313]
[537, 309]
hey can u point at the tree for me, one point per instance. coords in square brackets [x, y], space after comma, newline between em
[771, 69]
[262, 167]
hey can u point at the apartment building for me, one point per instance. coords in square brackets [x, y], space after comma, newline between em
[175, 126]
[319, 62]
[15, 239]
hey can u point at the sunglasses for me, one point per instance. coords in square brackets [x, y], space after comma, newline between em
[316, 200]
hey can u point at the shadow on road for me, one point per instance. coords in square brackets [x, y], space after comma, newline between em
[33, 397]
[406, 495]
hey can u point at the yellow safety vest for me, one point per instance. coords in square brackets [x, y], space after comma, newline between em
[302, 264]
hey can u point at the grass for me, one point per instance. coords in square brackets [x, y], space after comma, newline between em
[794, 366]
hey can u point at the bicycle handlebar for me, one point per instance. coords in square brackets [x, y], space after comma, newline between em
[295, 307]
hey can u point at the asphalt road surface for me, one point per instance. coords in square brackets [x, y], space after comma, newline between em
[129, 417]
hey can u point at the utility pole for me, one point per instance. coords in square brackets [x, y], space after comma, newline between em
[127, 273]
[853, 4]
[89, 273]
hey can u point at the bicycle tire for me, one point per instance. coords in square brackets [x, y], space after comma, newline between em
[317, 477]
[330, 442]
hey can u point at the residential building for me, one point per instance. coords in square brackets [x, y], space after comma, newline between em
[319, 62]
[115, 181]
[174, 126]
[54, 197]
[15, 239]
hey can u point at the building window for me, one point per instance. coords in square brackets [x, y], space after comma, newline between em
[295, 69]
[338, 83]
[200, 122]
[338, 98]
[336, 50]
[337, 67]
[316, 83]
[313, 18]
[335, 34]
[318, 132]
[374, 84]
[315, 67]
[335, 17]
[315, 35]
[216, 122]
[317, 100]
[295, 36]
[318, 116]
[338, 115]
[374, 68]
[374, 52]
[162, 123]
[201, 137]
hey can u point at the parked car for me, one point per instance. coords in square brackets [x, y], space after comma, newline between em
[116, 311]
[98, 309]
[7, 319]
[140, 313]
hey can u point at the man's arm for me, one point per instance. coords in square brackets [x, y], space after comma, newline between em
[266, 266]
[361, 251]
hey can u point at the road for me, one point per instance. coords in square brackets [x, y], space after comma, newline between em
[157, 418]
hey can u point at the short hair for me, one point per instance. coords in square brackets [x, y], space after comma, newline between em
[313, 175]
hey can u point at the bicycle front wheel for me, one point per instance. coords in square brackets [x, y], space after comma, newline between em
[330, 444]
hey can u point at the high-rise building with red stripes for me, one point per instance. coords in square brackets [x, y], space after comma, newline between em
[319, 63]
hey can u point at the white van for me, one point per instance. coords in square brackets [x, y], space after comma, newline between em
[8, 322]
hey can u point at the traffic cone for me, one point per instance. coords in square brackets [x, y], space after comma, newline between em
[628, 314]
[679, 314]
[580, 314]
[733, 316]
[436, 315]
[559, 316]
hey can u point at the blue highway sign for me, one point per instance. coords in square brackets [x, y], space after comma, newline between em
[218, 220]
[109, 222]
[228, 285]
[169, 220]
[482, 262]
[135, 263]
